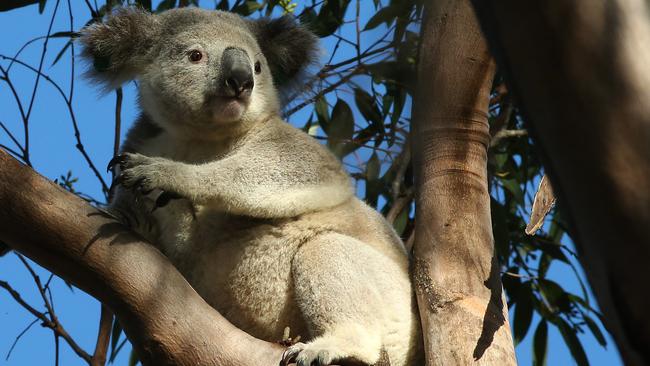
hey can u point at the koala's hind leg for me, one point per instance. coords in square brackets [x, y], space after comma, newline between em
[336, 289]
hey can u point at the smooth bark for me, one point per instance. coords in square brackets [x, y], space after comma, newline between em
[165, 319]
[462, 305]
[579, 69]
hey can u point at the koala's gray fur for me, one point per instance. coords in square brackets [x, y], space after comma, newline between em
[267, 228]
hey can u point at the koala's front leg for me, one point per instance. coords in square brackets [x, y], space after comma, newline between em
[145, 174]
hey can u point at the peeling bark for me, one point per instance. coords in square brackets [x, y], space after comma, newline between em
[464, 315]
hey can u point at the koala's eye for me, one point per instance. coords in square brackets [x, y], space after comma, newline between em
[195, 55]
[258, 67]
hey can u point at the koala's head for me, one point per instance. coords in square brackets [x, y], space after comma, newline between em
[199, 69]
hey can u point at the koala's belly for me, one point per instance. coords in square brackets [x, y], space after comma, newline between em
[240, 266]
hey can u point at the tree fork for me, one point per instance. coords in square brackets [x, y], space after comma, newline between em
[462, 305]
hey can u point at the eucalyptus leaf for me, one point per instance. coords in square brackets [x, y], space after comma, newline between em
[7, 5]
[540, 342]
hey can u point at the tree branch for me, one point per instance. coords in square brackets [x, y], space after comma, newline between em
[165, 319]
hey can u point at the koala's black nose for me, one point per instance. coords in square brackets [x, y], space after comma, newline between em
[237, 72]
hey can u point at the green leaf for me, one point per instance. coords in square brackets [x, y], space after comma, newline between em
[369, 109]
[373, 184]
[145, 4]
[166, 5]
[572, 341]
[540, 341]
[322, 112]
[401, 220]
[555, 294]
[41, 6]
[523, 312]
[328, 20]
[223, 5]
[65, 34]
[593, 327]
[60, 54]
[512, 186]
[384, 15]
[341, 128]
[6, 5]
[247, 8]
[544, 263]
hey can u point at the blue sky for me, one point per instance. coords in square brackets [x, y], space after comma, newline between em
[54, 154]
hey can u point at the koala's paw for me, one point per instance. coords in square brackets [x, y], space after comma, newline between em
[144, 174]
[313, 354]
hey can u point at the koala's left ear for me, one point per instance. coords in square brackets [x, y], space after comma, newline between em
[288, 46]
[119, 48]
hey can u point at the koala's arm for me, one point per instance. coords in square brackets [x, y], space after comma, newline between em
[283, 173]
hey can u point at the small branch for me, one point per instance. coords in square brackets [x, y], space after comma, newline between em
[118, 121]
[56, 327]
[12, 151]
[11, 136]
[330, 88]
[403, 164]
[73, 118]
[20, 335]
[400, 204]
[118, 128]
[103, 337]
[503, 134]
[38, 78]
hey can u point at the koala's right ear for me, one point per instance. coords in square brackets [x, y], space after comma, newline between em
[119, 48]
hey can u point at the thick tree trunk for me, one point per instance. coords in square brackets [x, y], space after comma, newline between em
[458, 285]
[580, 69]
[165, 319]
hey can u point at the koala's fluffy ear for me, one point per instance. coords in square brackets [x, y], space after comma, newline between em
[288, 46]
[119, 48]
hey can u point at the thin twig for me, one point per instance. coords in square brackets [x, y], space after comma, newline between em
[20, 336]
[503, 134]
[333, 86]
[404, 160]
[12, 151]
[399, 204]
[118, 121]
[38, 78]
[11, 136]
[56, 327]
[73, 118]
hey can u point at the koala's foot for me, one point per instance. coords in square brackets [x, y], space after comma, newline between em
[317, 354]
[144, 174]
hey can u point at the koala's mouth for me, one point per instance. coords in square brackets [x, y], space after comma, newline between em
[225, 109]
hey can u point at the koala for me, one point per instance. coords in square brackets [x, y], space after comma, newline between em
[259, 217]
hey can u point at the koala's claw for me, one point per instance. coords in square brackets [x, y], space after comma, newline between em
[111, 163]
[303, 355]
[290, 353]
